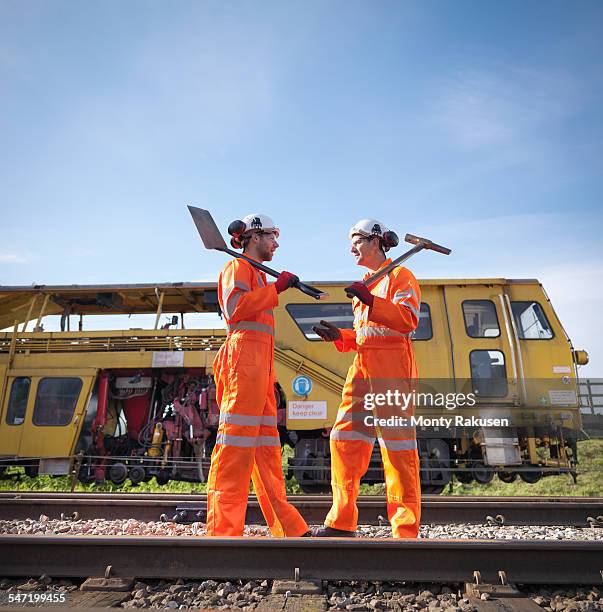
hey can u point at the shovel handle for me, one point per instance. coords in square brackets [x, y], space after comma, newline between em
[311, 291]
[307, 289]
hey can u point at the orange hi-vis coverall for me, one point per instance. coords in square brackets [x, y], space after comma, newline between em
[247, 443]
[382, 339]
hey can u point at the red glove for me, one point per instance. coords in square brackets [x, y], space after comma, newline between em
[285, 280]
[361, 291]
[328, 332]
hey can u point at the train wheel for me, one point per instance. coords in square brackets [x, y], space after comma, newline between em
[482, 473]
[137, 474]
[531, 477]
[507, 477]
[464, 476]
[118, 472]
[163, 477]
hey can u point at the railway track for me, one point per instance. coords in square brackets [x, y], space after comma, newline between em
[526, 561]
[488, 569]
[438, 510]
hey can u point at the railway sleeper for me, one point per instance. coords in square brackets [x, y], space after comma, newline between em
[108, 582]
[489, 597]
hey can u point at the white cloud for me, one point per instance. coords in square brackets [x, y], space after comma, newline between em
[499, 105]
[12, 258]
[206, 278]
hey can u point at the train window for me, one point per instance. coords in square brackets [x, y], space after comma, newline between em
[531, 322]
[424, 330]
[308, 315]
[17, 401]
[480, 319]
[488, 373]
[56, 400]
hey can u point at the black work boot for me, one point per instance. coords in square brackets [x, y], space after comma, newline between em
[331, 532]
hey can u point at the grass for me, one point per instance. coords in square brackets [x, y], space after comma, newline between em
[16, 480]
[590, 479]
[590, 482]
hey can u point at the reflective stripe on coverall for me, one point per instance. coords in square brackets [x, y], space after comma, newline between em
[247, 445]
[381, 337]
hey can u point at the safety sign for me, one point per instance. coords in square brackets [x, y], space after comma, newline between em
[302, 385]
[307, 410]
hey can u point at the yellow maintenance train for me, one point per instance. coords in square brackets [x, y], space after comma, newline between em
[140, 403]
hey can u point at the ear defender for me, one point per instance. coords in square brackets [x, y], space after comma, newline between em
[235, 229]
[390, 239]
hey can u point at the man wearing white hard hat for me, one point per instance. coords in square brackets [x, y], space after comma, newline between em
[385, 316]
[247, 444]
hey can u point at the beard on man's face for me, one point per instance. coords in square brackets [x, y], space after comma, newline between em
[266, 250]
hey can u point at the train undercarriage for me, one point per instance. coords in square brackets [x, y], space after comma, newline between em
[144, 424]
[162, 424]
[464, 458]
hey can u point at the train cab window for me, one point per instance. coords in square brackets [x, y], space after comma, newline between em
[480, 319]
[56, 400]
[424, 330]
[488, 373]
[531, 322]
[307, 316]
[17, 401]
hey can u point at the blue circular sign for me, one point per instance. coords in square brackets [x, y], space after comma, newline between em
[302, 385]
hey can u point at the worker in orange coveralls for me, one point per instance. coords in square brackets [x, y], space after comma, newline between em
[384, 318]
[247, 443]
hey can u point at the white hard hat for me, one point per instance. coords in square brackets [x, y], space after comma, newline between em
[372, 227]
[251, 223]
[260, 222]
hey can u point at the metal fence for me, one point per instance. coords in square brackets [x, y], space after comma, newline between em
[591, 406]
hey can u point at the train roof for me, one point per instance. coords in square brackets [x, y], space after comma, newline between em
[17, 302]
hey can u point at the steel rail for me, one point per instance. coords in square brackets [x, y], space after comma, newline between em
[565, 511]
[523, 561]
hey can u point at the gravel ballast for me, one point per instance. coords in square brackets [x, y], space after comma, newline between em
[338, 595]
[133, 527]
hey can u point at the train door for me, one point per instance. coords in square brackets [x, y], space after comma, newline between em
[545, 349]
[483, 354]
[545, 360]
[12, 413]
[485, 364]
[55, 411]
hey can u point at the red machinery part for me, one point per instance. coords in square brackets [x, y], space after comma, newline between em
[136, 410]
[99, 423]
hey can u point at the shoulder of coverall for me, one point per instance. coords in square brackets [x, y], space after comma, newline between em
[402, 272]
[401, 275]
[240, 266]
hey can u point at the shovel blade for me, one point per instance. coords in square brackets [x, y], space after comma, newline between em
[207, 228]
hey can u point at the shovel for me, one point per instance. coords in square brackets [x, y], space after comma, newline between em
[213, 240]
[421, 243]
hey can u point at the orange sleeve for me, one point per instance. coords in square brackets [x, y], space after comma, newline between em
[240, 302]
[400, 310]
[347, 342]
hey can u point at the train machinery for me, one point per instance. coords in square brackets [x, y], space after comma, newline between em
[116, 404]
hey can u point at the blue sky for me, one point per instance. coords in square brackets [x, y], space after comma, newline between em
[478, 124]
